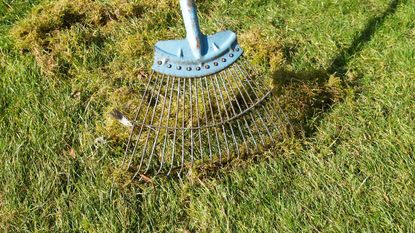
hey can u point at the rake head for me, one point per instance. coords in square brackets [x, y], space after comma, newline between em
[203, 102]
[182, 122]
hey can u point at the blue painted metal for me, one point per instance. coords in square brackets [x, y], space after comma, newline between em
[193, 34]
[197, 55]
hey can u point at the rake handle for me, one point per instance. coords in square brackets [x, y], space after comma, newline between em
[194, 35]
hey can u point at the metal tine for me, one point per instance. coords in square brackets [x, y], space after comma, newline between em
[135, 118]
[246, 77]
[221, 119]
[230, 123]
[159, 124]
[149, 129]
[199, 130]
[237, 79]
[254, 121]
[158, 80]
[167, 126]
[206, 117]
[241, 109]
[279, 107]
[278, 126]
[175, 127]
[191, 121]
[237, 120]
[281, 127]
[227, 115]
[214, 121]
[183, 125]
[246, 123]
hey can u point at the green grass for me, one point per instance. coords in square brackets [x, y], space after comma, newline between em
[352, 168]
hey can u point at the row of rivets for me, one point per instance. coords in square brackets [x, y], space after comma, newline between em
[198, 68]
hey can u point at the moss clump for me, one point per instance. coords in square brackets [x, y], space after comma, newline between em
[305, 95]
[58, 32]
[126, 100]
[262, 50]
[100, 47]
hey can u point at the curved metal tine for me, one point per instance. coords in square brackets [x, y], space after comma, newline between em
[205, 110]
[244, 119]
[135, 119]
[290, 126]
[235, 140]
[167, 126]
[144, 120]
[266, 107]
[246, 77]
[159, 124]
[237, 120]
[214, 121]
[149, 130]
[227, 115]
[282, 127]
[240, 108]
[175, 127]
[183, 125]
[222, 122]
[279, 107]
[199, 130]
[237, 79]
[191, 121]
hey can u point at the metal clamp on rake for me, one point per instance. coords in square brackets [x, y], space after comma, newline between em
[204, 101]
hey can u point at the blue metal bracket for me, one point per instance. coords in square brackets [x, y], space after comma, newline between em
[175, 57]
[197, 55]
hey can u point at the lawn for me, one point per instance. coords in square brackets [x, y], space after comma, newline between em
[345, 74]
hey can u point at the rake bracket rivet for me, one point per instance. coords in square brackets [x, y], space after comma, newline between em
[207, 66]
[231, 55]
[179, 68]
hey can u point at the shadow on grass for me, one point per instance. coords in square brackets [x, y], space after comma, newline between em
[318, 90]
[339, 64]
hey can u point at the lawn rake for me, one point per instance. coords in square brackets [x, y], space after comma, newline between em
[203, 101]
